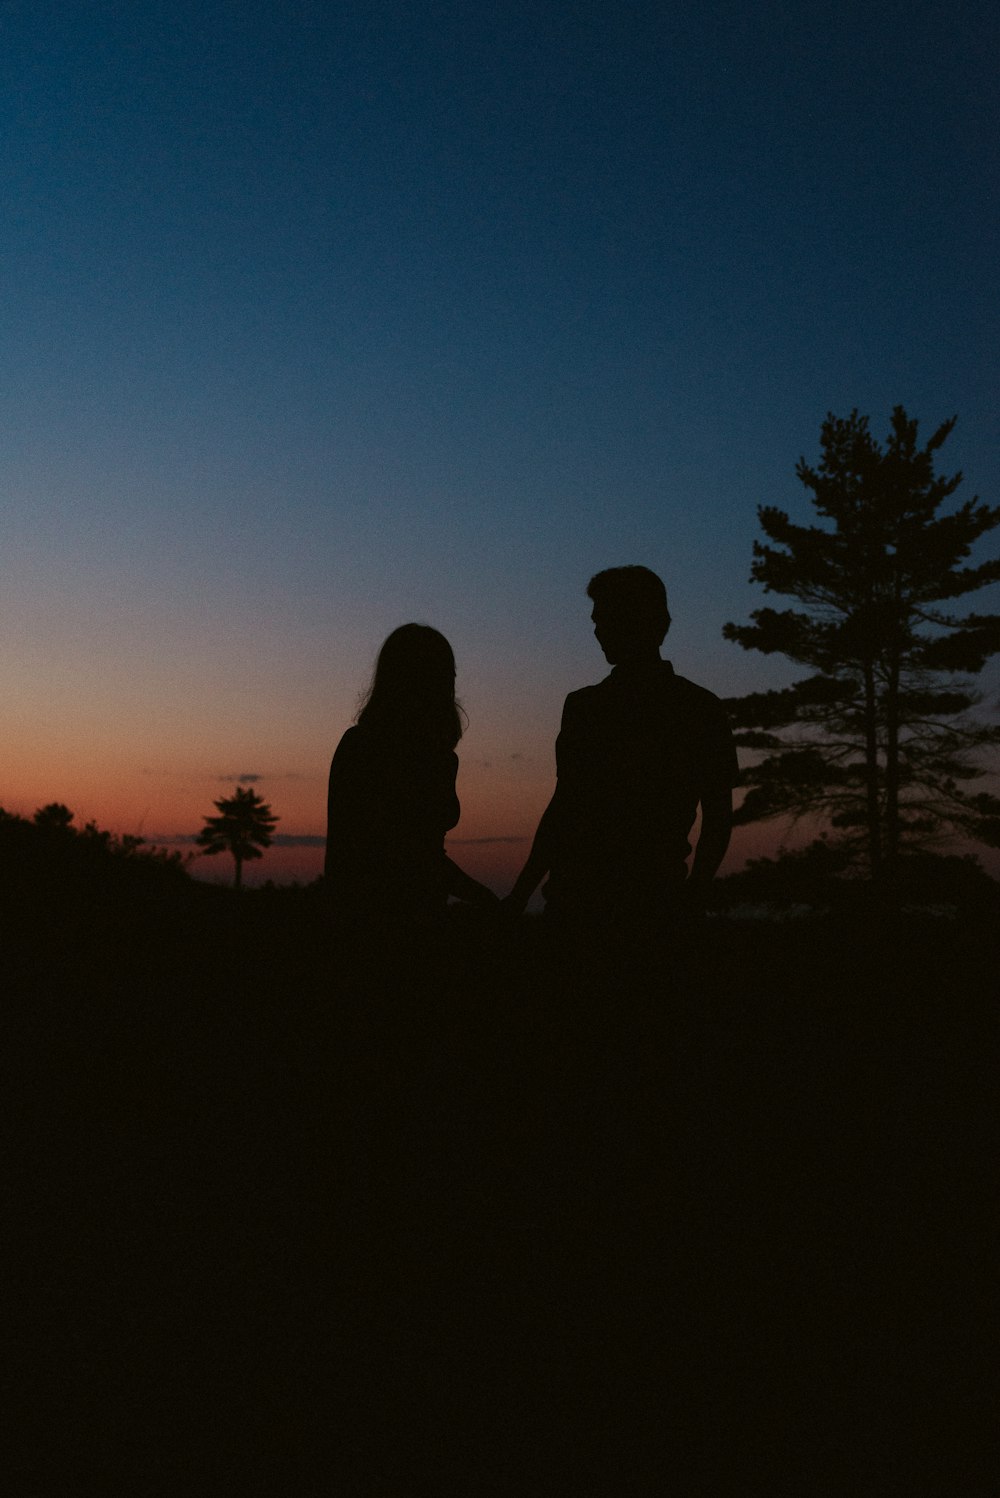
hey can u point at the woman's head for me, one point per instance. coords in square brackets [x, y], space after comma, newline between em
[413, 687]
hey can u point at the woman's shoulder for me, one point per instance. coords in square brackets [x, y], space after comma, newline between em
[355, 748]
[348, 742]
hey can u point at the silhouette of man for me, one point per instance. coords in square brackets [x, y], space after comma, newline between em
[636, 756]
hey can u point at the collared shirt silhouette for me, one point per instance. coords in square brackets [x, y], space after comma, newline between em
[636, 757]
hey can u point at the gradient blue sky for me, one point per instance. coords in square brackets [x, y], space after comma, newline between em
[321, 317]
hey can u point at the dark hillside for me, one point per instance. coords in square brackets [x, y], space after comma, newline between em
[457, 1215]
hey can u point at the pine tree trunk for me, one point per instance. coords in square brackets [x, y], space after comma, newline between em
[892, 729]
[239, 871]
[892, 769]
[871, 773]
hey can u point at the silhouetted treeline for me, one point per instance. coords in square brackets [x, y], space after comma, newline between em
[821, 877]
[49, 852]
[81, 907]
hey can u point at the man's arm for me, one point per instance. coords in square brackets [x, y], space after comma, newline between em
[713, 840]
[539, 859]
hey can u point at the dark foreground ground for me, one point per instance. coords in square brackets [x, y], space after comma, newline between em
[461, 1219]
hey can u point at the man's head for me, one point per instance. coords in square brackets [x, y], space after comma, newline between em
[630, 613]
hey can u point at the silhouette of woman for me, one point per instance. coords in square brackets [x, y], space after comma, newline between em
[392, 788]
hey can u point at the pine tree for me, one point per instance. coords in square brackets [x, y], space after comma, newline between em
[878, 739]
[243, 828]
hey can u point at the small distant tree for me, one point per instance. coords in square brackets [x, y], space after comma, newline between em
[243, 828]
[878, 738]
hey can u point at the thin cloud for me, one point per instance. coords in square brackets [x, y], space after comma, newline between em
[252, 777]
[481, 841]
[278, 840]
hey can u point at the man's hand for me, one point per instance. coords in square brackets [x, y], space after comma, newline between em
[693, 902]
[713, 840]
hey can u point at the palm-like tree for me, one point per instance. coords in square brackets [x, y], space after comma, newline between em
[242, 828]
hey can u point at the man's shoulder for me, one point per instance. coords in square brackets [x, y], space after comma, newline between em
[698, 696]
[583, 695]
[664, 683]
[585, 703]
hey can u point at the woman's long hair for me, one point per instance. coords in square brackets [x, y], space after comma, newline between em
[412, 691]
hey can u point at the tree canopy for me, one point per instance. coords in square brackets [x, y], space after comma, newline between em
[243, 828]
[879, 738]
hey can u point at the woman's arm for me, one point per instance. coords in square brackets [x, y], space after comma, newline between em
[539, 859]
[463, 887]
